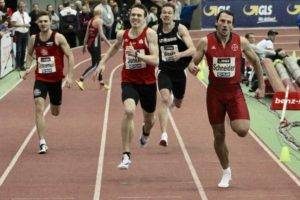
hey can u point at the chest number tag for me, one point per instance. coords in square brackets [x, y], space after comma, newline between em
[46, 65]
[224, 67]
[132, 62]
[167, 52]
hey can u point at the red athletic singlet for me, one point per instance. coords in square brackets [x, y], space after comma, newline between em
[49, 59]
[224, 63]
[93, 33]
[134, 70]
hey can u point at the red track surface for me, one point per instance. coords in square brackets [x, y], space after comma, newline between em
[69, 169]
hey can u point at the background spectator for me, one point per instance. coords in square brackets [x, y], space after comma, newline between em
[5, 14]
[152, 17]
[107, 17]
[68, 23]
[187, 13]
[34, 29]
[54, 17]
[20, 20]
[84, 17]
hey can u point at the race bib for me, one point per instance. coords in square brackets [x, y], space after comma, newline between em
[132, 62]
[46, 65]
[167, 52]
[224, 67]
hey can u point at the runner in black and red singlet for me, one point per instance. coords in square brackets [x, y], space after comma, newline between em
[138, 75]
[49, 48]
[223, 50]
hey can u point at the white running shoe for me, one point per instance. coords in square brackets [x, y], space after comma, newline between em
[125, 162]
[224, 183]
[164, 139]
[43, 149]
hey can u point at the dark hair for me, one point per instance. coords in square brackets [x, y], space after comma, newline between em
[66, 3]
[43, 13]
[140, 6]
[248, 35]
[226, 12]
[169, 5]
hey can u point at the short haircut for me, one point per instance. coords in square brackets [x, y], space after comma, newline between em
[248, 35]
[43, 13]
[66, 4]
[169, 5]
[140, 6]
[226, 12]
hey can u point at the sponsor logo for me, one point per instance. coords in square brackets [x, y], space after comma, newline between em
[49, 44]
[293, 9]
[234, 47]
[293, 101]
[213, 47]
[264, 13]
[44, 52]
[166, 40]
[214, 10]
[141, 41]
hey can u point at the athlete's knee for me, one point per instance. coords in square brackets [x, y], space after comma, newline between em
[242, 132]
[129, 113]
[165, 99]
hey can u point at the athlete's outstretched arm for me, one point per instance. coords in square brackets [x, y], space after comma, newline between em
[184, 33]
[151, 59]
[62, 42]
[254, 60]
[200, 51]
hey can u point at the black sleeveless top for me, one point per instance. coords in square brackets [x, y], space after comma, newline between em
[169, 44]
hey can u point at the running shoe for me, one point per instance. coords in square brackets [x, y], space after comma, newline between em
[164, 140]
[224, 183]
[43, 149]
[125, 162]
[80, 85]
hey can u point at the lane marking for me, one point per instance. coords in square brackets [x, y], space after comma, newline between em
[188, 159]
[26, 141]
[270, 153]
[97, 191]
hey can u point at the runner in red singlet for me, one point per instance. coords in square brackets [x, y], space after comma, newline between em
[223, 50]
[92, 40]
[49, 48]
[138, 76]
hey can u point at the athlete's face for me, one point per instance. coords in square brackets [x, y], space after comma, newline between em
[225, 24]
[44, 23]
[167, 15]
[137, 17]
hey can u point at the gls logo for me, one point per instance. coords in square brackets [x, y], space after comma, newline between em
[293, 10]
[258, 10]
[214, 10]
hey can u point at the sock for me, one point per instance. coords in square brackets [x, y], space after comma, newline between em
[42, 141]
[127, 153]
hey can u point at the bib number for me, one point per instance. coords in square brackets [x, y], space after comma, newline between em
[46, 65]
[132, 62]
[167, 52]
[224, 67]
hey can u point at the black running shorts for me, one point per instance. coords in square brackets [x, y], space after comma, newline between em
[175, 81]
[42, 88]
[145, 93]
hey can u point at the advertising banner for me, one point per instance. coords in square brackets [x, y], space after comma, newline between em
[6, 55]
[252, 13]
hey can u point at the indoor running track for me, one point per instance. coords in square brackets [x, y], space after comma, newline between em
[85, 149]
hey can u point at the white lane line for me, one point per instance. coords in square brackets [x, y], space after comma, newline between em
[188, 160]
[270, 153]
[97, 190]
[26, 141]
